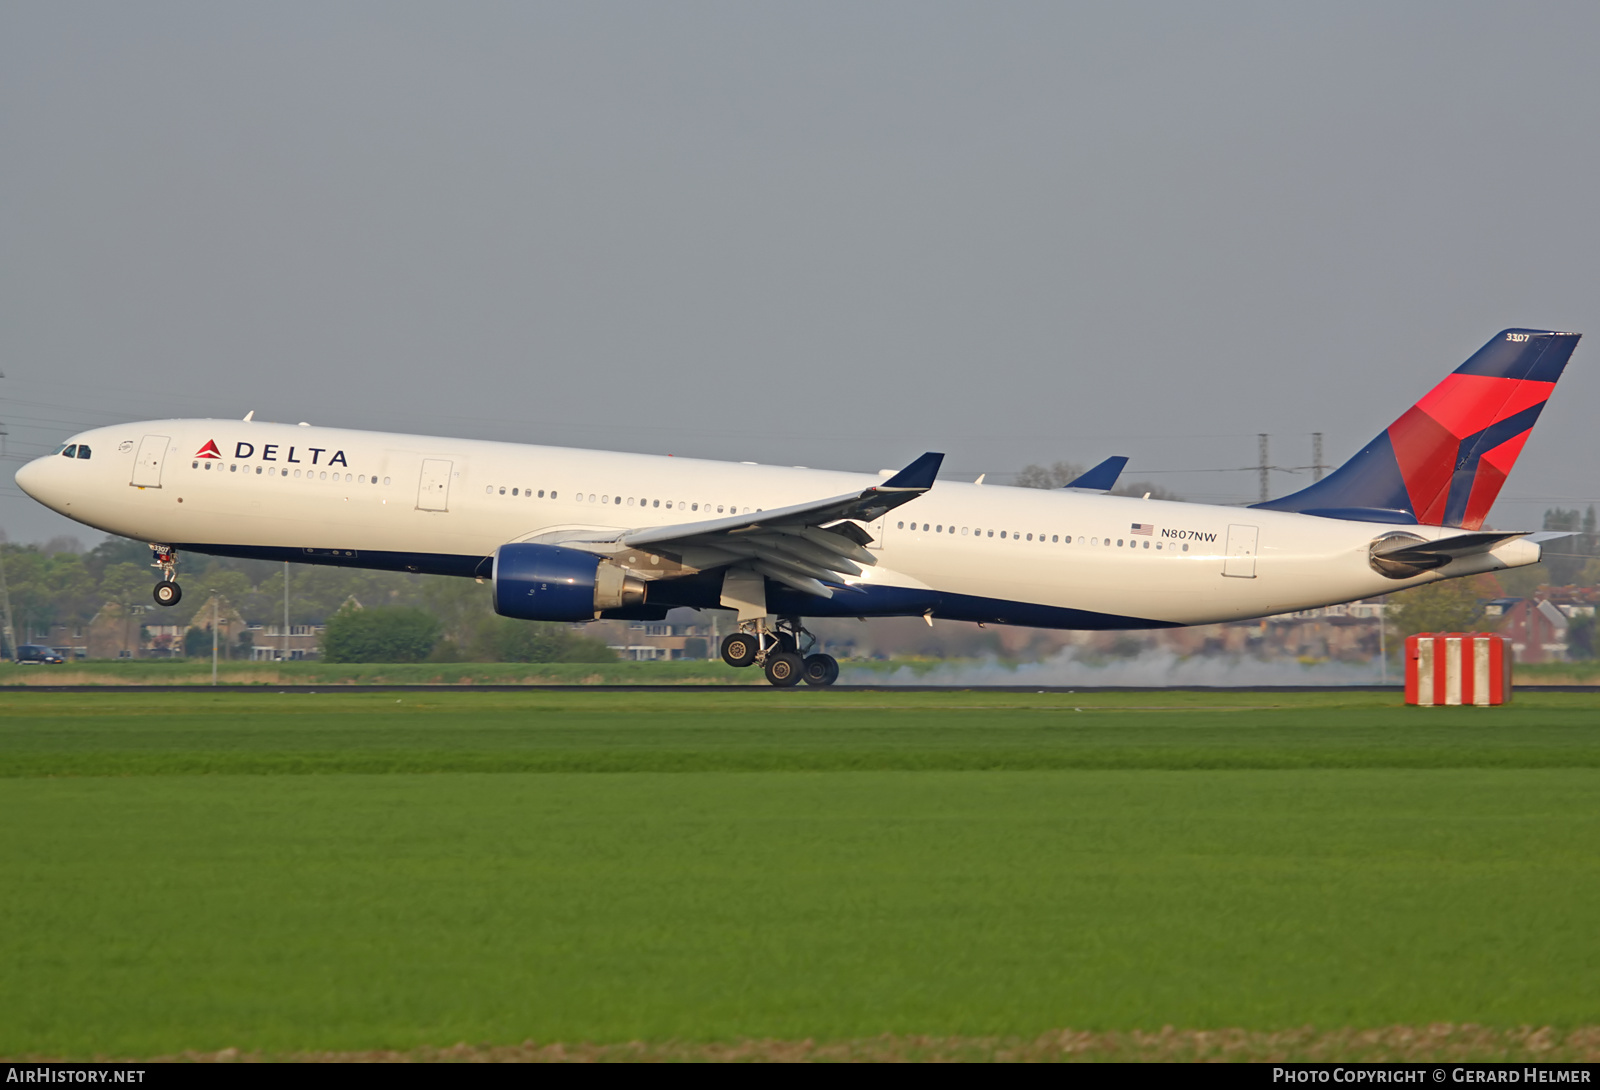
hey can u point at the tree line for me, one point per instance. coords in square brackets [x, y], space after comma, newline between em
[444, 619]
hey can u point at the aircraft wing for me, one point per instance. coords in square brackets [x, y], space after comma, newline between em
[804, 546]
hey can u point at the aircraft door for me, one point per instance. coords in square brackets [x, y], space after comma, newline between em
[147, 463]
[433, 492]
[1241, 559]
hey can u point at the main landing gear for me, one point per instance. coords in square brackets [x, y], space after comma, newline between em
[777, 650]
[167, 592]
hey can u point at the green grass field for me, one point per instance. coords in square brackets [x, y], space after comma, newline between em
[692, 672]
[286, 873]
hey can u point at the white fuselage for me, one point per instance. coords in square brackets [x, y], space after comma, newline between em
[327, 495]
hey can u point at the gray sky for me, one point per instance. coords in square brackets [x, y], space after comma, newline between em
[823, 234]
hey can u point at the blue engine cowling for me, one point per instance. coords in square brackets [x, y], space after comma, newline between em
[549, 583]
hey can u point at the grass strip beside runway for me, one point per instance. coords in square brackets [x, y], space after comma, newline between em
[784, 869]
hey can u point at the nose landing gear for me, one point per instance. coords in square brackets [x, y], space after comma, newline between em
[777, 650]
[167, 592]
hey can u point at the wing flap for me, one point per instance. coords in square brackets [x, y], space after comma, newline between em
[804, 546]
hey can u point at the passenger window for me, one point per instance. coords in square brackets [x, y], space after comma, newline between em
[963, 531]
[502, 492]
[939, 529]
[233, 468]
[1185, 546]
[1094, 541]
[991, 533]
[657, 503]
[83, 450]
[323, 476]
[899, 526]
[258, 472]
[1146, 544]
[386, 480]
[1053, 539]
[1030, 537]
[1002, 535]
[541, 493]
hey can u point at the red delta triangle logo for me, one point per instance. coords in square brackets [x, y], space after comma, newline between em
[209, 450]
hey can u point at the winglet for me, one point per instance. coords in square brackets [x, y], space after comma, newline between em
[1102, 478]
[916, 477]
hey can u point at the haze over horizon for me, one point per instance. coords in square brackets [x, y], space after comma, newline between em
[826, 234]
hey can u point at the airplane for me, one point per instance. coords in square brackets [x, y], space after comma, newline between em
[573, 535]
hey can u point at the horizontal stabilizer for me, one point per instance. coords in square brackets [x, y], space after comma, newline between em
[1102, 478]
[1434, 554]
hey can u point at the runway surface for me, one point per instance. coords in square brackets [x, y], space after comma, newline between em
[753, 688]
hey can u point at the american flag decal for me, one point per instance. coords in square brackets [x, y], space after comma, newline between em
[1143, 529]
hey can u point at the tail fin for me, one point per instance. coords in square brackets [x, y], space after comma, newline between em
[1443, 462]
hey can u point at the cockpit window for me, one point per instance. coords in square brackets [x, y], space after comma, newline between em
[83, 450]
[70, 452]
[59, 448]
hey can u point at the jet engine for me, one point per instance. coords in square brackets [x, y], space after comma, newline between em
[550, 583]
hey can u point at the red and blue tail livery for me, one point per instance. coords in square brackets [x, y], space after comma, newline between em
[1443, 462]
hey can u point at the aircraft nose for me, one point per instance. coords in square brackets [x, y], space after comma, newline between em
[32, 478]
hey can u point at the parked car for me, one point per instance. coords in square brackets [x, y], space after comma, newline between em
[35, 654]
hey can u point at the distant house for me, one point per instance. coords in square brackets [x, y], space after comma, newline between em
[270, 643]
[117, 632]
[230, 626]
[654, 641]
[1538, 625]
[70, 641]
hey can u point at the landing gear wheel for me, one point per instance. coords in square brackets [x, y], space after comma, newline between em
[784, 668]
[168, 593]
[820, 670]
[739, 649]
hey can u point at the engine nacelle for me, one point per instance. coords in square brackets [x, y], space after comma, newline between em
[549, 583]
